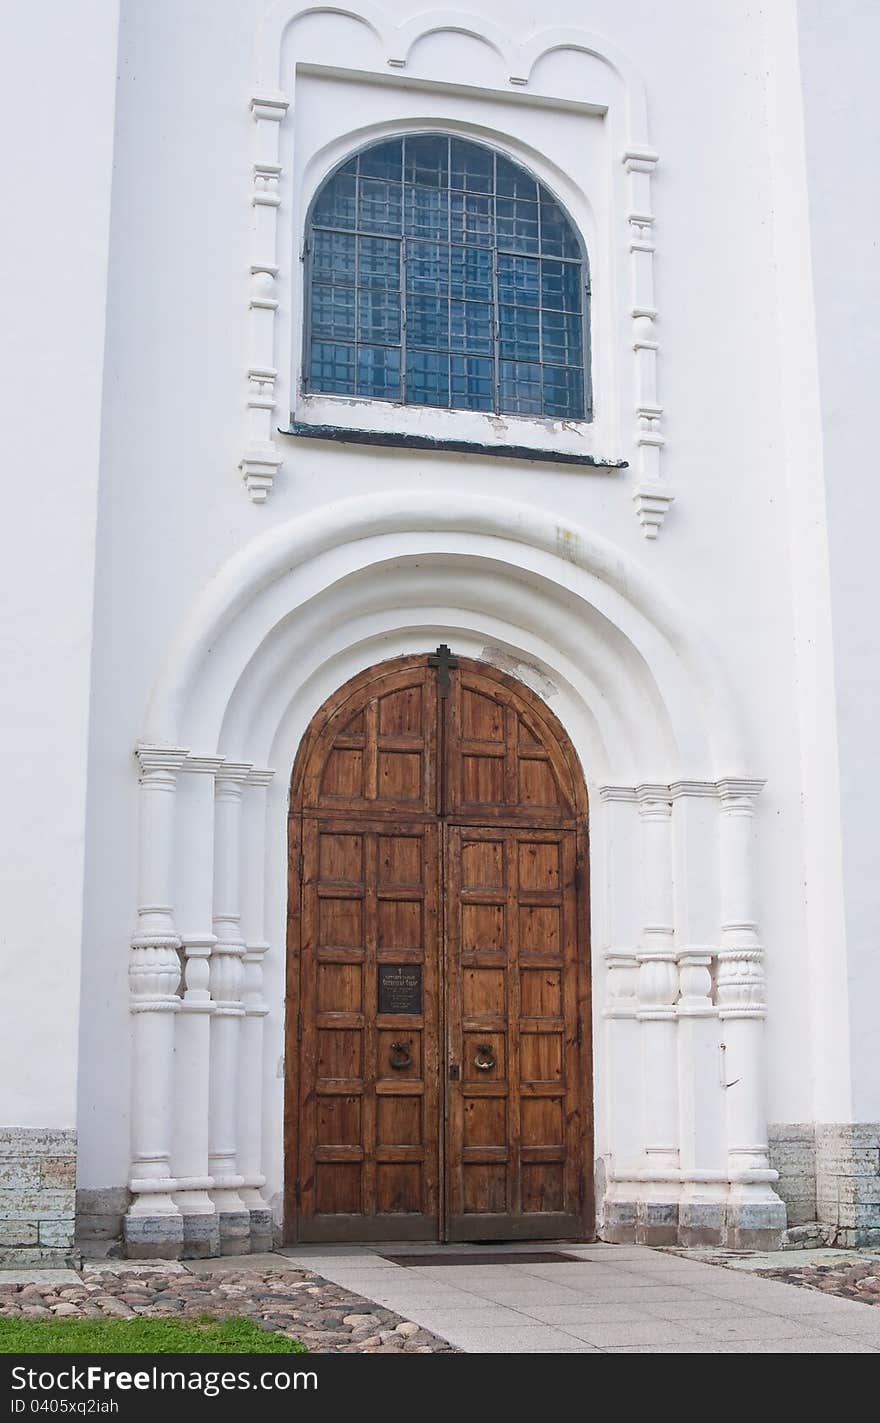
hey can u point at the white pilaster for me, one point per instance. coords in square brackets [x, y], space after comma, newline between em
[193, 1049]
[658, 991]
[250, 1098]
[754, 1206]
[226, 980]
[153, 1224]
[262, 458]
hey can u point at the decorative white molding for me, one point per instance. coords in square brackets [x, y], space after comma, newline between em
[652, 495]
[612, 793]
[262, 458]
[511, 67]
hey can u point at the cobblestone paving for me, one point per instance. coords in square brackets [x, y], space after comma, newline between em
[325, 1317]
[859, 1279]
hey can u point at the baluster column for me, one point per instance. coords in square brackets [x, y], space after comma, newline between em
[201, 1234]
[226, 980]
[153, 1225]
[658, 991]
[250, 1102]
[755, 1215]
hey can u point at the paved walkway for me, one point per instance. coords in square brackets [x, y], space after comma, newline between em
[614, 1299]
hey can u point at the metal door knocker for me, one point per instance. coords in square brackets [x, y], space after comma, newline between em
[485, 1058]
[400, 1055]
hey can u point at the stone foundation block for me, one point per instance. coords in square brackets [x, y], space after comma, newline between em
[701, 1222]
[235, 1232]
[99, 1214]
[261, 1231]
[201, 1237]
[619, 1222]
[657, 1223]
[37, 1194]
[153, 1237]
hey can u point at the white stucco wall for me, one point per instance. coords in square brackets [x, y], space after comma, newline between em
[762, 292]
[57, 99]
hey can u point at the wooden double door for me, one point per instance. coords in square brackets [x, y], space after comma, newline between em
[438, 1045]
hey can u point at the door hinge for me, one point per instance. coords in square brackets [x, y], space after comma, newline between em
[299, 1027]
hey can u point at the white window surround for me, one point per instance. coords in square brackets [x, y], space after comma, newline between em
[429, 64]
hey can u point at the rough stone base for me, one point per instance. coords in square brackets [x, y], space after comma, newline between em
[37, 1196]
[153, 1237]
[99, 1215]
[848, 1181]
[235, 1232]
[730, 1224]
[201, 1237]
[793, 1155]
[261, 1231]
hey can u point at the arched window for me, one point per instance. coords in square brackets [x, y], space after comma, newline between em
[440, 273]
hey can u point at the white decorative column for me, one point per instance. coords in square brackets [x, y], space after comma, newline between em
[756, 1215]
[153, 1225]
[227, 978]
[622, 1032]
[201, 1231]
[653, 495]
[250, 1077]
[658, 991]
[262, 458]
[697, 926]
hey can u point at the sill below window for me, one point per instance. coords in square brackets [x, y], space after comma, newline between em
[346, 435]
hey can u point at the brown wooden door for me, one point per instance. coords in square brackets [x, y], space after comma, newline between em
[439, 1041]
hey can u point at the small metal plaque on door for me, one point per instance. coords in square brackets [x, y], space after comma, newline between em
[400, 988]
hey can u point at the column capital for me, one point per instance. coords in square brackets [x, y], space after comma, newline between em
[739, 793]
[259, 777]
[204, 765]
[270, 105]
[680, 789]
[654, 801]
[152, 757]
[624, 793]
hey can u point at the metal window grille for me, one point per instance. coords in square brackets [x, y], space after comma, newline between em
[440, 273]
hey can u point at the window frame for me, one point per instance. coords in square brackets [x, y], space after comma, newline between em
[400, 402]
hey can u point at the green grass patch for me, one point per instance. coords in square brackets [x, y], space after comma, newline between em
[141, 1336]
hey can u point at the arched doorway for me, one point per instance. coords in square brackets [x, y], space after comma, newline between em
[438, 1016]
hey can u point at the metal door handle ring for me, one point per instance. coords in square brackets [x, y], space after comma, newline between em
[484, 1060]
[400, 1055]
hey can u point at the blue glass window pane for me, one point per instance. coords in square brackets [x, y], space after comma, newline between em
[333, 311]
[383, 160]
[471, 274]
[378, 372]
[471, 220]
[563, 392]
[516, 224]
[514, 182]
[561, 286]
[427, 213]
[380, 206]
[378, 316]
[558, 237]
[471, 167]
[333, 255]
[472, 383]
[521, 388]
[427, 378]
[336, 205]
[427, 322]
[519, 333]
[332, 368]
[378, 263]
[470, 326]
[561, 338]
[519, 280]
[427, 268]
[426, 161]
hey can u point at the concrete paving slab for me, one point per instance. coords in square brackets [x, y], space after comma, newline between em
[36, 1276]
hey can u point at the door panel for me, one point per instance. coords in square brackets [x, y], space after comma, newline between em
[439, 1088]
[368, 1129]
[514, 1112]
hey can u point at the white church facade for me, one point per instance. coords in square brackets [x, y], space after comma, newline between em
[440, 673]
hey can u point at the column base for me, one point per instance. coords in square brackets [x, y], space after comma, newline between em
[261, 1230]
[153, 1237]
[235, 1232]
[701, 1223]
[733, 1224]
[755, 1225]
[657, 1223]
[201, 1237]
